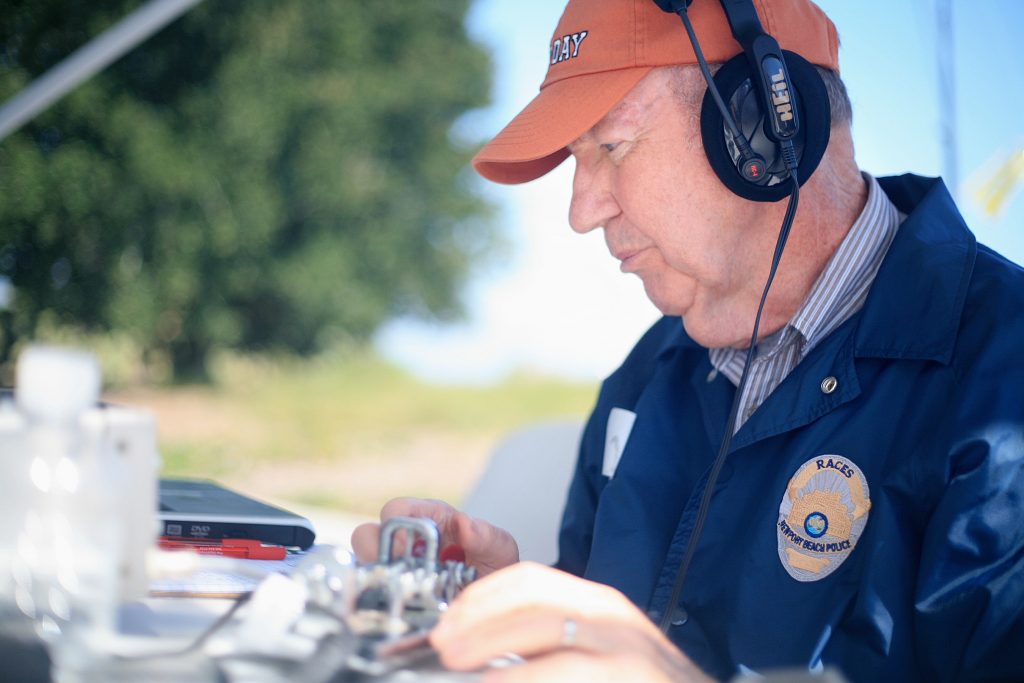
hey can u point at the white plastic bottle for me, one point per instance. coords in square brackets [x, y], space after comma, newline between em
[66, 578]
[14, 494]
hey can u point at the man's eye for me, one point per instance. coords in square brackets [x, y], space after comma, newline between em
[609, 146]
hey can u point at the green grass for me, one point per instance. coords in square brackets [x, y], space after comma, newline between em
[283, 414]
[363, 391]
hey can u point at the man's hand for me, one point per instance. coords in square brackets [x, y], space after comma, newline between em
[525, 609]
[487, 547]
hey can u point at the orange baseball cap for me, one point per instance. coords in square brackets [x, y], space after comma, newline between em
[602, 48]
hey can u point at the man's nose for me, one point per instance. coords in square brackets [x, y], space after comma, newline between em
[592, 204]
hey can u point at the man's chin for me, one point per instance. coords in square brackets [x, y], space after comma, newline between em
[707, 334]
[701, 327]
[671, 306]
[695, 325]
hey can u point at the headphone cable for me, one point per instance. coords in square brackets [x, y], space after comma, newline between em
[745, 150]
[705, 504]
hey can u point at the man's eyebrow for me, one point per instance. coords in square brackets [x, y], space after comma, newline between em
[588, 134]
[626, 112]
[615, 114]
[613, 120]
[623, 113]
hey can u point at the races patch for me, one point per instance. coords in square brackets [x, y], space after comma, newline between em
[822, 514]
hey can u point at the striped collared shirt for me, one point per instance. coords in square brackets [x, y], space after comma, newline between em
[838, 293]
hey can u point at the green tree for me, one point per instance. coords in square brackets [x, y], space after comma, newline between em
[260, 174]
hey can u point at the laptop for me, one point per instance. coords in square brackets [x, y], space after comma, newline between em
[201, 509]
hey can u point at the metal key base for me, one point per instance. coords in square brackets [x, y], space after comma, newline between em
[389, 606]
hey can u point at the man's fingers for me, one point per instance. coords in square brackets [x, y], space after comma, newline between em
[581, 666]
[437, 510]
[366, 542]
[526, 633]
[440, 512]
[586, 651]
[565, 666]
[366, 537]
[486, 547]
[528, 584]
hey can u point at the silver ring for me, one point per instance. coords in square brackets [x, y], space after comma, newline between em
[569, 628]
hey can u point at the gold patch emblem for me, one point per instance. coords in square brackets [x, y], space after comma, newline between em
[822, 515]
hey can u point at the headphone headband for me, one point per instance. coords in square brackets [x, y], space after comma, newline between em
[772, 81]
[672, 6]
[743, 21]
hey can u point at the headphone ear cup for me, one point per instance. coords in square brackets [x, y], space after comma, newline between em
[733, 82]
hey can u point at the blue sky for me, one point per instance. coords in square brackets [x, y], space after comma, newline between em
[558, 304]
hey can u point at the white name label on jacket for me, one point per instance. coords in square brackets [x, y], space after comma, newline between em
[620, 424]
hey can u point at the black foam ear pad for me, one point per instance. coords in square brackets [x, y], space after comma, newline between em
[733, 82]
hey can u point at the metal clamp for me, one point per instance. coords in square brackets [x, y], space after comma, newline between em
[415, 528]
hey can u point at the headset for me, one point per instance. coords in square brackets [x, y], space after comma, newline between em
[760, 101]
[762, 144]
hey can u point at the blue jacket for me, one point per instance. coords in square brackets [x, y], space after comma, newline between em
[900, 552]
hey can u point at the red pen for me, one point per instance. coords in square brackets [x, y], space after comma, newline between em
[243, 548]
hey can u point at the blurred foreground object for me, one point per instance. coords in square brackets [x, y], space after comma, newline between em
[336, 620]
[78, 502]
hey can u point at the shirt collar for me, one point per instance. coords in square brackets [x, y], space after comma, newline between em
[853, 265]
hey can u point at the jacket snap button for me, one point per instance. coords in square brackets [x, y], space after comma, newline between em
[680, 616]
[829, 384]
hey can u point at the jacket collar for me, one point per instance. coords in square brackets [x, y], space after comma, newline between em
[914, 307]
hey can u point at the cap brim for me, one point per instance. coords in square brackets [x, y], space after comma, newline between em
[534, 141]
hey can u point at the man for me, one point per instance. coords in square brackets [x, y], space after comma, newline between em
[867, 516]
